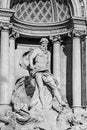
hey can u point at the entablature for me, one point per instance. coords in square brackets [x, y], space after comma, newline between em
[42, 29]
[57, 28]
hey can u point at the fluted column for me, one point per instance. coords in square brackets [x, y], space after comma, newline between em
[76, 70]
[4, 87]
[56, 57]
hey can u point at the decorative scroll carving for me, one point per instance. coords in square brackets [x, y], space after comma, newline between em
[14, 34]
[55, 38]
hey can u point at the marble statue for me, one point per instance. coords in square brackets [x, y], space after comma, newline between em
[46, 108]
[40, 70]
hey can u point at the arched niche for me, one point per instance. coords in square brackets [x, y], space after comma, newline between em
[44, 17]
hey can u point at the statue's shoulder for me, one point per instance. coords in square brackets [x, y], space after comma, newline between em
[37, 50]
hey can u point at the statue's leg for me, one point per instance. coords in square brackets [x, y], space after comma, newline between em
[55, 89]
[39, 81]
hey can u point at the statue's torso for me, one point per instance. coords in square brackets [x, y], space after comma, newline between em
[41, 59]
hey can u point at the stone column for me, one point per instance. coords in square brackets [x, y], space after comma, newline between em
[76, 70]
[86, 71]
[56, 57]
[12, 65]
[83, 69]
[4, 87]
[13, 37]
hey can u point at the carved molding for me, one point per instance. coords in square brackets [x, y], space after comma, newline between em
[43, 29]
[31, 32]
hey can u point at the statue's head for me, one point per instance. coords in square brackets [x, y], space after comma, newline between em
[44, 43]
[44, 40]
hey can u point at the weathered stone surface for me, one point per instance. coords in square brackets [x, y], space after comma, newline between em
[31, 116]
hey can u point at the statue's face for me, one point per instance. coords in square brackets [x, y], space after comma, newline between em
[44, 45]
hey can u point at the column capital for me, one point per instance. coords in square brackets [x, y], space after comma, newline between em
[5, 25]
[14, 35]
[55, 39]
[78, 33]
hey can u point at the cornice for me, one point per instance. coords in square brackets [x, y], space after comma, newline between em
[39, 32]
[42, 29]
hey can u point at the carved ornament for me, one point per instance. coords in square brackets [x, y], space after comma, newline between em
[55, 39]
[5, 25]
[78, 33]
[14, 34]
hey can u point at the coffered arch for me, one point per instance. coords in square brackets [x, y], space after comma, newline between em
[42, 11]
[73, 4]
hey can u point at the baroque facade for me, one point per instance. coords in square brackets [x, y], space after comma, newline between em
[64, 22]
